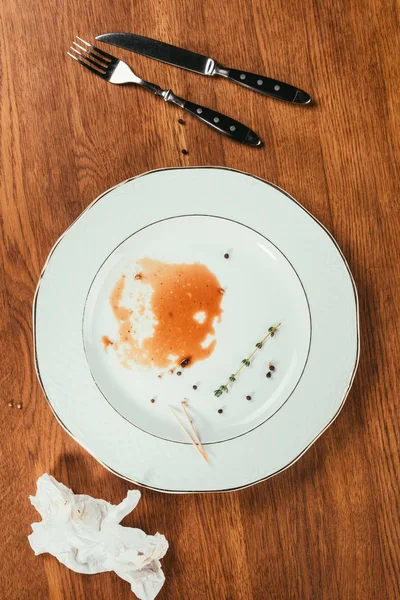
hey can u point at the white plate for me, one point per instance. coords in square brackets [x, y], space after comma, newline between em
[283, 266]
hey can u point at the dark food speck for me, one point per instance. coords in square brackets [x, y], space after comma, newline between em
[220, 411]
[269, 374]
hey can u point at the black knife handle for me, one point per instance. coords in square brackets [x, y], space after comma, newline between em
[267, 86]
[223, 124]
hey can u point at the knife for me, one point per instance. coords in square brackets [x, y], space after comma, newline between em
[192, 61]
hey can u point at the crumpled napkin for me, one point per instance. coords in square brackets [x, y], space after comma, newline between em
[84, 534]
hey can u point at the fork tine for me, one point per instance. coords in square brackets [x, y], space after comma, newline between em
[84, 64]
[100, 67]
[101, 60]
[108, 56]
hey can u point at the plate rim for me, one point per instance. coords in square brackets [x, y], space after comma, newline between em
[357, 321]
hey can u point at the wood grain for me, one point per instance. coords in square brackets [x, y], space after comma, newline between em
[328, 528]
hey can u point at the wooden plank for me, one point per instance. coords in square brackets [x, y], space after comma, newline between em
[328, 528]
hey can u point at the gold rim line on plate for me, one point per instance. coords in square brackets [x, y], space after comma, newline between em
[346, 393]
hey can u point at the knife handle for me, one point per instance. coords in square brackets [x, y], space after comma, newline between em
[266, 85]
[223, 124]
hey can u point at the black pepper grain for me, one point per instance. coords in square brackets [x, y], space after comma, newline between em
[220, 411]
[271, 367]
[195, 387]
[269, 374]
[185, 152]
[181, 121]
[152, 400]
[179, 373]
[248, 397]
[226, 255]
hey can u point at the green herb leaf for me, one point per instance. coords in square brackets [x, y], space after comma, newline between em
[246, 361]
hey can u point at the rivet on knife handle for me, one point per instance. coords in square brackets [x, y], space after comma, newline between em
[265, 85]
[225, 125]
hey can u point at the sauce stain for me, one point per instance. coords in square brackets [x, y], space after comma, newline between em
[185, 303]
[105, 340]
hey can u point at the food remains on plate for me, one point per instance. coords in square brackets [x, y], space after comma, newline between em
[246, 363]
[166, 315]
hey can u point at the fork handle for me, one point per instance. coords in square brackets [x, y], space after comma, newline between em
[221, 123]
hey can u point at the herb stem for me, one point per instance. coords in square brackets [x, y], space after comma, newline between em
[246, 361]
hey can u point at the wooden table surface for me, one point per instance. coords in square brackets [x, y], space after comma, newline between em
[327, 528]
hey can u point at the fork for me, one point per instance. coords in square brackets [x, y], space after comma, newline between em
[117, 71]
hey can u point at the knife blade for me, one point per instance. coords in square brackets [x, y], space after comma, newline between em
[192, 61]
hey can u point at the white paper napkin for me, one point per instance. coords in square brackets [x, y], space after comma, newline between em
[84, 534]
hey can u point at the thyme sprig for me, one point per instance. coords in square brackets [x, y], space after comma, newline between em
[246, 361]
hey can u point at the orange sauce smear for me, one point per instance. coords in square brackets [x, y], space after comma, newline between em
[180, 292]
[105, 340]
